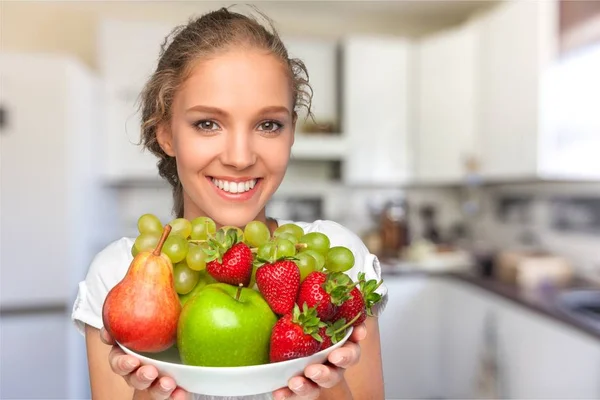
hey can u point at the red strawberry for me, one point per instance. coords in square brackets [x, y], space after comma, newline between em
[361, 301]
[325, 291]
[295, 335]
[229, 259]
[333, 332]
[279, 282]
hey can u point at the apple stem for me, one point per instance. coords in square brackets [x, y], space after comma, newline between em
[161, 242]
[239, 292]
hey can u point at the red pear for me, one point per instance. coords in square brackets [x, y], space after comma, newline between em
[142, 311]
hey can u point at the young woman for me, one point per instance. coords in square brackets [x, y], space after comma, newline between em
[219, 112]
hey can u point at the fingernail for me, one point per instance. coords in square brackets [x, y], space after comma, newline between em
[315, 375]
[130, 364]
[298, 387]
[338, 360]
[165, 387]
[147, 376]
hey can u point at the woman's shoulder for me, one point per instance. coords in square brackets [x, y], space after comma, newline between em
[110, 264]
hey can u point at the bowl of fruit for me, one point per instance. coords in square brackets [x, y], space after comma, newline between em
[232, 312]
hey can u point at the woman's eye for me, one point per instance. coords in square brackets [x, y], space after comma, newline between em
[270, 126]
[207, 125]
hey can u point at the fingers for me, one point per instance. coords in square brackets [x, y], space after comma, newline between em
[345, 356]
[359, 333]
[121, 363]
[143, 377]
[324, 376]
[298, 388]
[165, 387]
[106, 338]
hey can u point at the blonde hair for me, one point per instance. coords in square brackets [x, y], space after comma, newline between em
[201, 37]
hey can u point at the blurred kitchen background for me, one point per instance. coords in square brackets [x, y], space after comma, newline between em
[459, 139]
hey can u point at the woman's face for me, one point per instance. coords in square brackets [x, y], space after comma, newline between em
[231, 132]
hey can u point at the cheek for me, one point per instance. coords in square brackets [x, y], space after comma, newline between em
[276, 154]
[192, 155]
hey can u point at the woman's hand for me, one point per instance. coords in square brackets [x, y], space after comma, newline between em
[319, 376]
[141, 377]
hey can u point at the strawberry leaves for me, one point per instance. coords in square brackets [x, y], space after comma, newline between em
[368, 291]
[308, 320]
[338, 285]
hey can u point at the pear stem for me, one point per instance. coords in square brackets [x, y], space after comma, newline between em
[239, 292]
[161, 242]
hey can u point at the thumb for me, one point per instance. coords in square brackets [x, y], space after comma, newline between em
[105, 337]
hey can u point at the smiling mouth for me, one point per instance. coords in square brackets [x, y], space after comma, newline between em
[235, 187]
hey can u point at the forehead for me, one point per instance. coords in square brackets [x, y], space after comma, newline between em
[238, 78]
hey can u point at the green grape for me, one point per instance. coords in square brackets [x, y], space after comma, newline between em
[202, 227]
[339, 259]
[227, 228]
[319, 259]
[149, 223]
[175, 248]
[284, 248]
[293, 229]
[265, 250]
[306, 263]
[185, 278]
[288, 236]
[146, 241]
[256, 233]
[181, 227]
[196, 257]
[316, 241]
[134, 251]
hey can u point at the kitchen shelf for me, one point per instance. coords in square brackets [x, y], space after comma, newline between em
[328, 147]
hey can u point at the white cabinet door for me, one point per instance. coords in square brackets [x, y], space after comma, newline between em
[545, 359]
[446, 101]
[409, 332]
[464, 315]
[517, 43]
[376, 85]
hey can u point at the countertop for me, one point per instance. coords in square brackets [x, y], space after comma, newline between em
[545, 303]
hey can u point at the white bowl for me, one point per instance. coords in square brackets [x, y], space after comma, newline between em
[231, 381]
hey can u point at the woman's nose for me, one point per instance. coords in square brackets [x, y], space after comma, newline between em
[239, 152]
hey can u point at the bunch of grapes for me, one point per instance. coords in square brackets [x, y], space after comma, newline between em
[187, 247]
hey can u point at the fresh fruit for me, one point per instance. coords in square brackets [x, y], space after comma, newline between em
[352, 308]
[316, 241]
[283, 248]
[202, 228]
[149, 223]
[196, 257]
[296, 335]
[225, 326]
[332, 333]
[204, 279]
[290, 228]
[306, 264]
[176, 248]
[325, 291]
[229, 259]
[181, 227]
[319, 259]
[256, 233]
[146, 242]
[264, 252]
[185, 278]
[361, 301]
[339, 259]
[142, 311]
[278, 282]
[288, 236]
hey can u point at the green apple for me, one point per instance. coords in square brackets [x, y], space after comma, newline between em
[225, 326]
[205, 279]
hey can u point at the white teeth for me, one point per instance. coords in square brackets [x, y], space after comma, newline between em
[234, 187]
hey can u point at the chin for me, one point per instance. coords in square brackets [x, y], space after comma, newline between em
[233, 217]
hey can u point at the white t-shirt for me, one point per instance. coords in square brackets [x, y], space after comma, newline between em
[111, 264]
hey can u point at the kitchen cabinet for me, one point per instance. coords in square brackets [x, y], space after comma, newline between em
[544, 359]
[446, 101]
[409, 346]
[376, 108]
